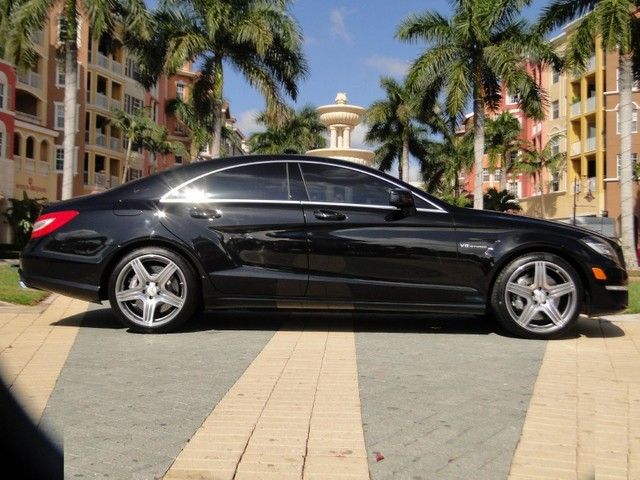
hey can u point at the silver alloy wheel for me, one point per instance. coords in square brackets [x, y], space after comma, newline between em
[151, 290]
[541, 296]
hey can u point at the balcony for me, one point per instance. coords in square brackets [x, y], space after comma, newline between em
[591, 104]
[100, 179]
[29, 78]
[102, 100]
[102, 61]
[114, 181]
[576, 109]
[37, 37]
[116, 67]
[27, 117]
[591, 144]
[101, 139]
[592, 184]
[114, 143]
[576, 148]
[116, 104]
[591, 64]
[43, 168]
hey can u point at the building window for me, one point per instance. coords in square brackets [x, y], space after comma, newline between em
[58, 116]
[555, 76]
[178, 159]
[513, 99]
[131, 104]
[497, 175]
[555, 145]
[485, 174]
[180, 90]
[131, 69]
[634, 164]
[555, 182]
[513, 188]
[2, 155]
[59, 158]
[555, 109]
[3, 96]
[134, 173]
[634, 121]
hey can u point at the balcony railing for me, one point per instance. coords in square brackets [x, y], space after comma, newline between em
[101, 139]
[591, 144]
[116, 67]
[114, 143]
[99, 179]
[43, 168]
[37, 37]
[575, 148]
[591, 104]
[114, 181]
[30, 78]
[592, 184]
[102, 60]
[27, 117]
[116, 104]
[30, 165]
[102, 100]
[576, 108]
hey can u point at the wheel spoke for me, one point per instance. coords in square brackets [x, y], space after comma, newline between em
[140, 270]
[557, 291]
[520, 290]
[170, 299]
[540, 275]
[149, 310]
[527, 314]
[129, 295]
[551, 311]
[165, 274]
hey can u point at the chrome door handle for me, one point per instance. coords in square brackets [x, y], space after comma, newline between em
[329, 215]
[206, 213]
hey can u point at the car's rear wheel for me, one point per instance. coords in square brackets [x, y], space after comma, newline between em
[538, 295]
[153, 290]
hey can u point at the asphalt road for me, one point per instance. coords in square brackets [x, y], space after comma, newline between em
[440, 398]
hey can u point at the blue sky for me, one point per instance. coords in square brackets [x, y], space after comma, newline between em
[349, 45]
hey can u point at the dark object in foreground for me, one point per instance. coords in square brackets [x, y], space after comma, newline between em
[302, 232]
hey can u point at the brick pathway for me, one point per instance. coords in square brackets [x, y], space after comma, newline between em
[295, 413]
[33, 350]
[583, 420]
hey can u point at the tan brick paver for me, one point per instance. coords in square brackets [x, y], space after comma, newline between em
[33, 349]
[583, 420]
[294, 414]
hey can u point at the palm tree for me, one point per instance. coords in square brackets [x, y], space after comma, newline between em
[502, 141]
[501, 201]
[392, 123]
[141, 131]
[259, 39]
[537, 161]
[454, 151]
[24, 17]
[484, 46]
[618, 27]
[300, 131]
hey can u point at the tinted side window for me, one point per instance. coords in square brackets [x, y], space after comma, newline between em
[265, 181]
[328, 183]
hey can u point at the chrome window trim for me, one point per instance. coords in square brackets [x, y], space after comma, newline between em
[230, 200]
[164, 199]
[617, 288]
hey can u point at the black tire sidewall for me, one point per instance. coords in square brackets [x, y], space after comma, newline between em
[500, 311]
[191, 300]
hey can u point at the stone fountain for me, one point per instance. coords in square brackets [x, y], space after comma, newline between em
[341, 119]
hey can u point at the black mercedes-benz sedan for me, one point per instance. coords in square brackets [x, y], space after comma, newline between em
[300, 232]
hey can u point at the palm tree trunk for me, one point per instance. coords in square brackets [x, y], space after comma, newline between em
[542, 211]
[478, 147]
[503, 172]
[404, 161]
[127, 159]
[217, 113]
[70, 98]
[627, 203]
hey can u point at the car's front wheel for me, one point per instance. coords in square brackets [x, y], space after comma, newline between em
[538, 295]
[153, 290]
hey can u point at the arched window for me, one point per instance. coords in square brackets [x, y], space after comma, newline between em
[30, 147]
[17, 140]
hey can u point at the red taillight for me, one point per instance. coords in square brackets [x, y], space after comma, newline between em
[50, 222]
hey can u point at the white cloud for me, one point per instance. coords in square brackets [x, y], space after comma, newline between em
[338, 25]
[357, 137]
[388, 65]
[246, 122]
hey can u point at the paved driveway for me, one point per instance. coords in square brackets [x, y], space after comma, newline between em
[354, 396]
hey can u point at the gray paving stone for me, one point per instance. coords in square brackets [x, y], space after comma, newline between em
[125, 404]
[442, 398]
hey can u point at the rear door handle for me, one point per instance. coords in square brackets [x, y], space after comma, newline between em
[329, 215]
[206, 213]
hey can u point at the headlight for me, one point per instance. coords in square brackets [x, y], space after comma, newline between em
[601, 248]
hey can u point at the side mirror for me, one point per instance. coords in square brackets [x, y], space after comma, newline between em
[402, 199]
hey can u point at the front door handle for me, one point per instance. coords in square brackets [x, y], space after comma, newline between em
[329, 215]
[206, 213]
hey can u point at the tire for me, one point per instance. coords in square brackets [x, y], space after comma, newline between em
[537, 295]
[153, 290]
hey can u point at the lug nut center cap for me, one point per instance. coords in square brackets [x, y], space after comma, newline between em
[152, 290]
[540, 296]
